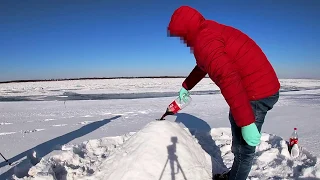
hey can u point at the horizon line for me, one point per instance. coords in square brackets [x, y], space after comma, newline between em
[97, 78]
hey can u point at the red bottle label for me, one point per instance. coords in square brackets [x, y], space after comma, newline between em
[174, 107]
[293, 141]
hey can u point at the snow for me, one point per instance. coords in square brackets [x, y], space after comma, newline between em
[164, 150]
[63, 89]
[79, 139]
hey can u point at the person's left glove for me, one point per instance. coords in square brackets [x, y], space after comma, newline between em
[183, 93]
[251, 135]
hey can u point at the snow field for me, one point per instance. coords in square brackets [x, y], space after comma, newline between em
[165, 150]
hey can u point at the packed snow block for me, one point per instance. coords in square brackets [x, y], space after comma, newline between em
[161, 150]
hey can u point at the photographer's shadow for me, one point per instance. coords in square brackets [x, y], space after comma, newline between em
[202, 131]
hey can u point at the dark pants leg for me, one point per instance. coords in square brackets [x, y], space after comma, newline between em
[243, 153]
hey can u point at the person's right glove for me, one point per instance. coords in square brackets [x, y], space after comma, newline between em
[251, 134]
[183, 93]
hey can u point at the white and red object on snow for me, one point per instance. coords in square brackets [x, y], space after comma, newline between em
[294, 137]
[294, 148]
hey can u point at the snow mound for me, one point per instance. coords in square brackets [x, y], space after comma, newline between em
[163, 150]
[273, 159]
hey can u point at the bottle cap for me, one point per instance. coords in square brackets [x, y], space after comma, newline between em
[295, 128]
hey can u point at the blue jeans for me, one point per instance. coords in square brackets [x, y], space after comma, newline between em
[243, 153]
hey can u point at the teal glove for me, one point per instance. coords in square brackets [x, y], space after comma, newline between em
[251, 134]
[183, 93]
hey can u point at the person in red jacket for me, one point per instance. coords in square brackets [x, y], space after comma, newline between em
[238, 66]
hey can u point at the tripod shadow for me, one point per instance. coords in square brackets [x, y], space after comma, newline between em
[45, 148]
[172, 158]
[202, 131]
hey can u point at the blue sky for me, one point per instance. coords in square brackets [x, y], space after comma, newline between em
[65, 39]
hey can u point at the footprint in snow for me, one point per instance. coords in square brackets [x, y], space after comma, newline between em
[33, 130]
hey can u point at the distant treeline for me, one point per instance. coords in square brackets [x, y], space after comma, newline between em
[94, 78]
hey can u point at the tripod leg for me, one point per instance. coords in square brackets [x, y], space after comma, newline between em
[172, 169]
[164, 169]
[179, 167]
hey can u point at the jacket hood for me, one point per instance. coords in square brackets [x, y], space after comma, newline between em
[185, 22]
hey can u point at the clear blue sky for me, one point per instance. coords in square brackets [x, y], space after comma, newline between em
[64, 39]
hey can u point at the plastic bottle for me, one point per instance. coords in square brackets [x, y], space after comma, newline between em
[294, 137]
[176, 105]
[294, 148]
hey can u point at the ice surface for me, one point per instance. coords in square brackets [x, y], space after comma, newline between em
[121, 89]
[49, 126]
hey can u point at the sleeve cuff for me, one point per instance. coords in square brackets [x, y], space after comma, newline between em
[184, 85]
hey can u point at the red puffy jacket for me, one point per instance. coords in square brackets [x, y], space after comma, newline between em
[232, 60]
